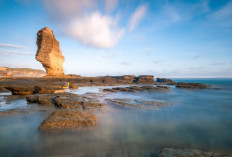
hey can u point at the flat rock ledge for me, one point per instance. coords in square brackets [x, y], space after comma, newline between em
[192, 85]
[171, 152]
[65, 100]
[28, 90]
[138, 89]
[67, 120]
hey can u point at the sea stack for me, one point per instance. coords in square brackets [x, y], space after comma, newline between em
[49, 53]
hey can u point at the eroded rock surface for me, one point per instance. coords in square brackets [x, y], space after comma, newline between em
[66, 120]
[171, 152]
[49, 53]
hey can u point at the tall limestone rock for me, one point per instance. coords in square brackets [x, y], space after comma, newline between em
[49, 53]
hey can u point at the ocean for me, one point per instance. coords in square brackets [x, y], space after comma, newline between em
[192, 118]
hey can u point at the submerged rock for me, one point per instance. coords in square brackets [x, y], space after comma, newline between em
[192, 85]
[171, 152]
[138, 89]
[49, 53]
[137, 104]
[66, 120]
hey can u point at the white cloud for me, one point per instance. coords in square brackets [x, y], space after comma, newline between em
[156, 61]
[95, 30]
[137, 16]
[81, 20]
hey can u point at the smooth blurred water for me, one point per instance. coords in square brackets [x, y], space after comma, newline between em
[198, 119]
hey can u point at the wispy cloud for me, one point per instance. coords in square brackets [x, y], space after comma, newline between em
[82, 20]
[125, 63]
[222, 17]
[219, 63]
[156, 61]
[12, 46]
[137, 17]
[14, 52]
[197, 68]
[196, 57]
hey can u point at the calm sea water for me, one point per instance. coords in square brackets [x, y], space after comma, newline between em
[197, 119]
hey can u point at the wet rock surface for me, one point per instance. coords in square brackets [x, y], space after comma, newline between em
[65, 100]
[171, 152]
[192, 85]
[137, 104]
[67, 120]
[30, 89]
[138, 89]
[49, 53]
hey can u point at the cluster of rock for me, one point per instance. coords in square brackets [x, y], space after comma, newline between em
[138, 89]
[71, 114]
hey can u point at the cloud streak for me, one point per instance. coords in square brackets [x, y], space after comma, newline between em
[14, 52]
[12, 46]
[137, 17]
[222, 17]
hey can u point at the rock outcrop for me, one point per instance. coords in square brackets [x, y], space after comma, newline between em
[49, 53]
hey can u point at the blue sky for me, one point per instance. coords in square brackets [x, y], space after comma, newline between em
[165, 38]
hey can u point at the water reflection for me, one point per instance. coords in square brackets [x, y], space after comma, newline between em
[199, 119]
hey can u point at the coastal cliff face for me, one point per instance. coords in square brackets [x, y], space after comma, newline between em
[49, 53]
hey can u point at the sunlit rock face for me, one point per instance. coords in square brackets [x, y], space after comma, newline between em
[49, 53]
